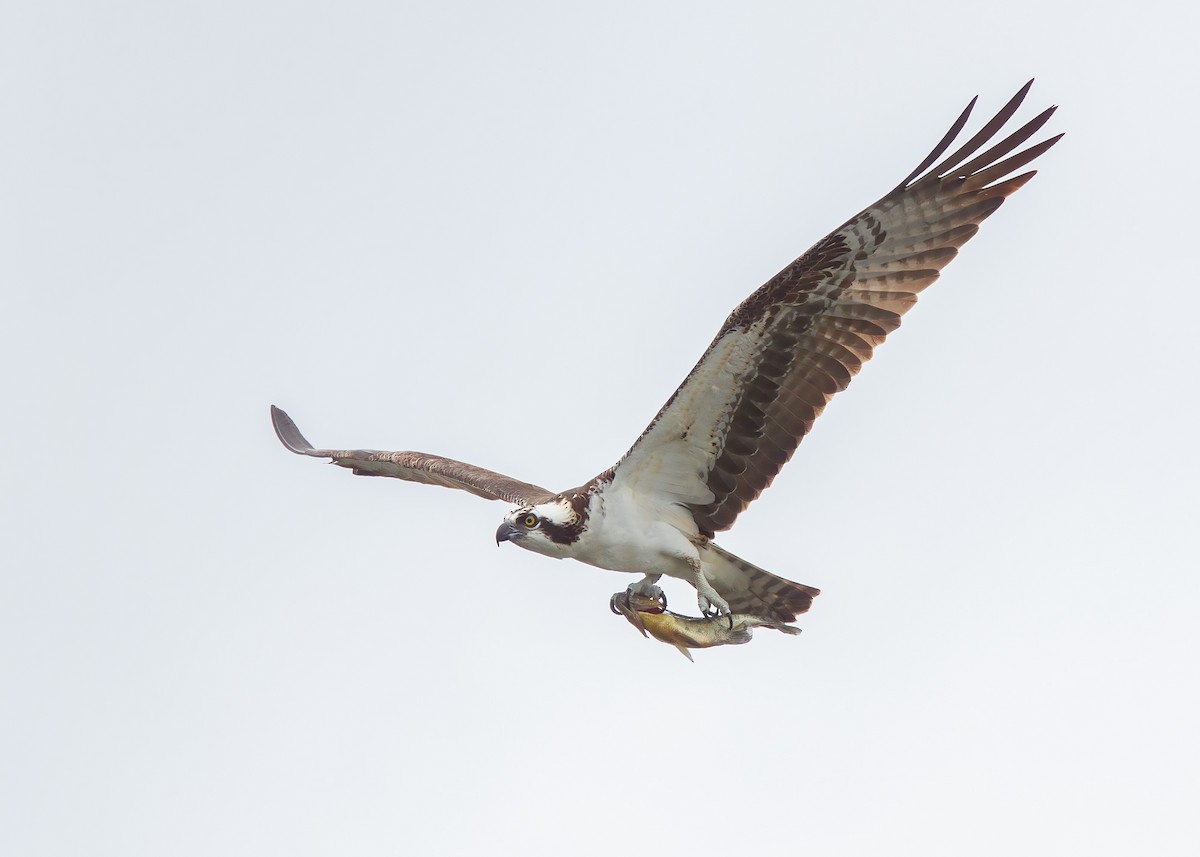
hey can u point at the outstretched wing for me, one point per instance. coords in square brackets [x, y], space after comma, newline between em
[798, 340]
[414, 467]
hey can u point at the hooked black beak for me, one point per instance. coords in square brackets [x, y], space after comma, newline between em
[507, 531]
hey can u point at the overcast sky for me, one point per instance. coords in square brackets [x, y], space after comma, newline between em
[504, 233]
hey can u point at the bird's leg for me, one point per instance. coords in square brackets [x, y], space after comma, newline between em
[647, 588]
[710, 602]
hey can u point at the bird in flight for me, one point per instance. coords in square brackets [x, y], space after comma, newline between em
[742, 411]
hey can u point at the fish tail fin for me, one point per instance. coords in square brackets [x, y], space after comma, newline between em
[786, 629]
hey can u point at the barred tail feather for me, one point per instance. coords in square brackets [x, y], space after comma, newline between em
[752, 590]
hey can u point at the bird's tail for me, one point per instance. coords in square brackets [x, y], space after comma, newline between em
[752, 590]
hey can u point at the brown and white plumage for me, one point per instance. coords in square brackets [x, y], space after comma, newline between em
[414, 467]
[788, 348]
[742, 411]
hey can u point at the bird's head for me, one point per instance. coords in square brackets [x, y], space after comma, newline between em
[548, 528]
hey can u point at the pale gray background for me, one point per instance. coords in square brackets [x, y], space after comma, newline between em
[504, 232]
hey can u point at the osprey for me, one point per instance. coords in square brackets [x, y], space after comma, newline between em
[742, 411]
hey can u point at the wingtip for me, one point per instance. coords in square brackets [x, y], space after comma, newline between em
[288, 433]
[1018, 99]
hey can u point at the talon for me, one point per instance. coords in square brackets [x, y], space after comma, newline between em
[622, 607]
[645, 599]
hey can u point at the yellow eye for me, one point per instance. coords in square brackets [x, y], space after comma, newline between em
[530, 521]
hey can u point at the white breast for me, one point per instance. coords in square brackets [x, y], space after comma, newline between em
[624, 534]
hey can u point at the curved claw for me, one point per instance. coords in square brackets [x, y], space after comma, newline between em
[652, 601]
[620, 604]
[712, 611]
[612, 603]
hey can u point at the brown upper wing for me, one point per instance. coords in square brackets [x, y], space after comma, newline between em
[788, 348]
[414, 467]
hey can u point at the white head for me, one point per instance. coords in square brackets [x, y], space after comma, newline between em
[549, 528]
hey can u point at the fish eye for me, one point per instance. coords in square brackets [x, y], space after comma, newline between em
[530, 521]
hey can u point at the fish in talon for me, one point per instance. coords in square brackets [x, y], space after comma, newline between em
[690, 632]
